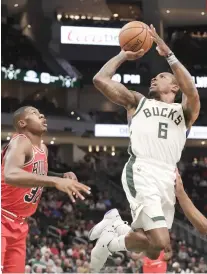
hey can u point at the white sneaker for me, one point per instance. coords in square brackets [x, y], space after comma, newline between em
[100, 252]
[109, 218]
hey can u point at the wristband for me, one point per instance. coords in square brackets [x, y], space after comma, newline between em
[171, 59]
[54, 174]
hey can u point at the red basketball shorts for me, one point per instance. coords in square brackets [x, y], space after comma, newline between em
[13, 246]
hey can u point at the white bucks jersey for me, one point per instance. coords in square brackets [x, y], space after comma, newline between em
[158, 131]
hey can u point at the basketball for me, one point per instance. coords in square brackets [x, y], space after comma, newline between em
[135, 36]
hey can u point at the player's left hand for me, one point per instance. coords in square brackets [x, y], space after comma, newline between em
[162, 48]
[70, 175]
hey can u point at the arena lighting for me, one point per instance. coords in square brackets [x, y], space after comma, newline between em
[59, 16]
[97, 148]
[72, 112]
[8, 138]
[90, 148]
[78, 118]
[54, 138]
[83, 17]
[112, 148]
[71, 16]
[115, 15]
[167, 11]
[203, 143]
[42, 141]
[77, 17]
[29, 26]
[16, 5]
[52, 142]
[113, 153]
[96, 18]
[105, 148]
[202, 13]
[66, 16]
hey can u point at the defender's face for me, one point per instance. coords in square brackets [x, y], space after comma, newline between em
[162, 88]
[34, 121]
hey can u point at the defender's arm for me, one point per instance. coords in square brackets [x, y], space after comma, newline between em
[197, 219]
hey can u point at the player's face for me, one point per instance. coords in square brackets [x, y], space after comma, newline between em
[163, 88]
[35, 122]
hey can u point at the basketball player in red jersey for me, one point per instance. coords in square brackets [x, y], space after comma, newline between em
[24, 174]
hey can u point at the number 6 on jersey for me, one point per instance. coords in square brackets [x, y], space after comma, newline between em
[162, 131]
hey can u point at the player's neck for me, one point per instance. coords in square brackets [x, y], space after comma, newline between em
[35, 139]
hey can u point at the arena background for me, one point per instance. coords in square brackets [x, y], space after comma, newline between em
[49, 62]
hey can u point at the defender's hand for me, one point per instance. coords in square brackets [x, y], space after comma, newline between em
[162, 48]
[179, 189]
[72, 188]
[131, 56]
[70, 175]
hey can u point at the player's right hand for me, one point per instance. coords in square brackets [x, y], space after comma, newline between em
[130, 55]
[73, 188]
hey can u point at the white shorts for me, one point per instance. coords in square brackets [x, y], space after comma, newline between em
[149, 187]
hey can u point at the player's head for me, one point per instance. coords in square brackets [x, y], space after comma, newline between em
[29, 119]
[164, 87]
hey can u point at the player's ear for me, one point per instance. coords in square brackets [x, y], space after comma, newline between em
[22, 123]
[175, 88]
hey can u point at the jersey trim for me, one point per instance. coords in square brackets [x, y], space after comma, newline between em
[129, 175]
[140, 106]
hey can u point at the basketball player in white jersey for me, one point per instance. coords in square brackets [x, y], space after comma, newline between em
[157, 136]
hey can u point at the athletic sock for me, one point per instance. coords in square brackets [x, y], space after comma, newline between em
[117, 244]
[121, 228]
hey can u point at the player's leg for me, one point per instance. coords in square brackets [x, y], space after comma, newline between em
[14, 260]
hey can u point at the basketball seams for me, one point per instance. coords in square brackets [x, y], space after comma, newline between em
[130, 28]
[133, 44]
[133, 37]
[144, 38]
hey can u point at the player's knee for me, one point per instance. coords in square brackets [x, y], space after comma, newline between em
[160, 243]
[137, 241]
[153, 254]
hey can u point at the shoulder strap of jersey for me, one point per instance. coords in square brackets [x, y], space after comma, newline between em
[140, 105]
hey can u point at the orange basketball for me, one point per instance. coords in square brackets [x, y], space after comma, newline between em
[135, 36]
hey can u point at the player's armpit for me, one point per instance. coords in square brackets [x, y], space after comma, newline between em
[117, 93]
[191, 108]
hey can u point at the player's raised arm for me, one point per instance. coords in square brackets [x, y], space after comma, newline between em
[19, 152]
[191, 100]
[114, 91]
[197, 219]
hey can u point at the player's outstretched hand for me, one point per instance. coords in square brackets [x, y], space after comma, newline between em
[162, 48]
[131, 56]
[73, 188]
[179, 189]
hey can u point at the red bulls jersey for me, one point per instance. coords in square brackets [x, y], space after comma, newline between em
[23, 202]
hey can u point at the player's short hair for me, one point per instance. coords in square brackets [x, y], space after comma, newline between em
[18, 115]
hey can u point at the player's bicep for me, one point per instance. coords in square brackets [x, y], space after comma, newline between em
[116, 92]
[191, 107]
[16, 155]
